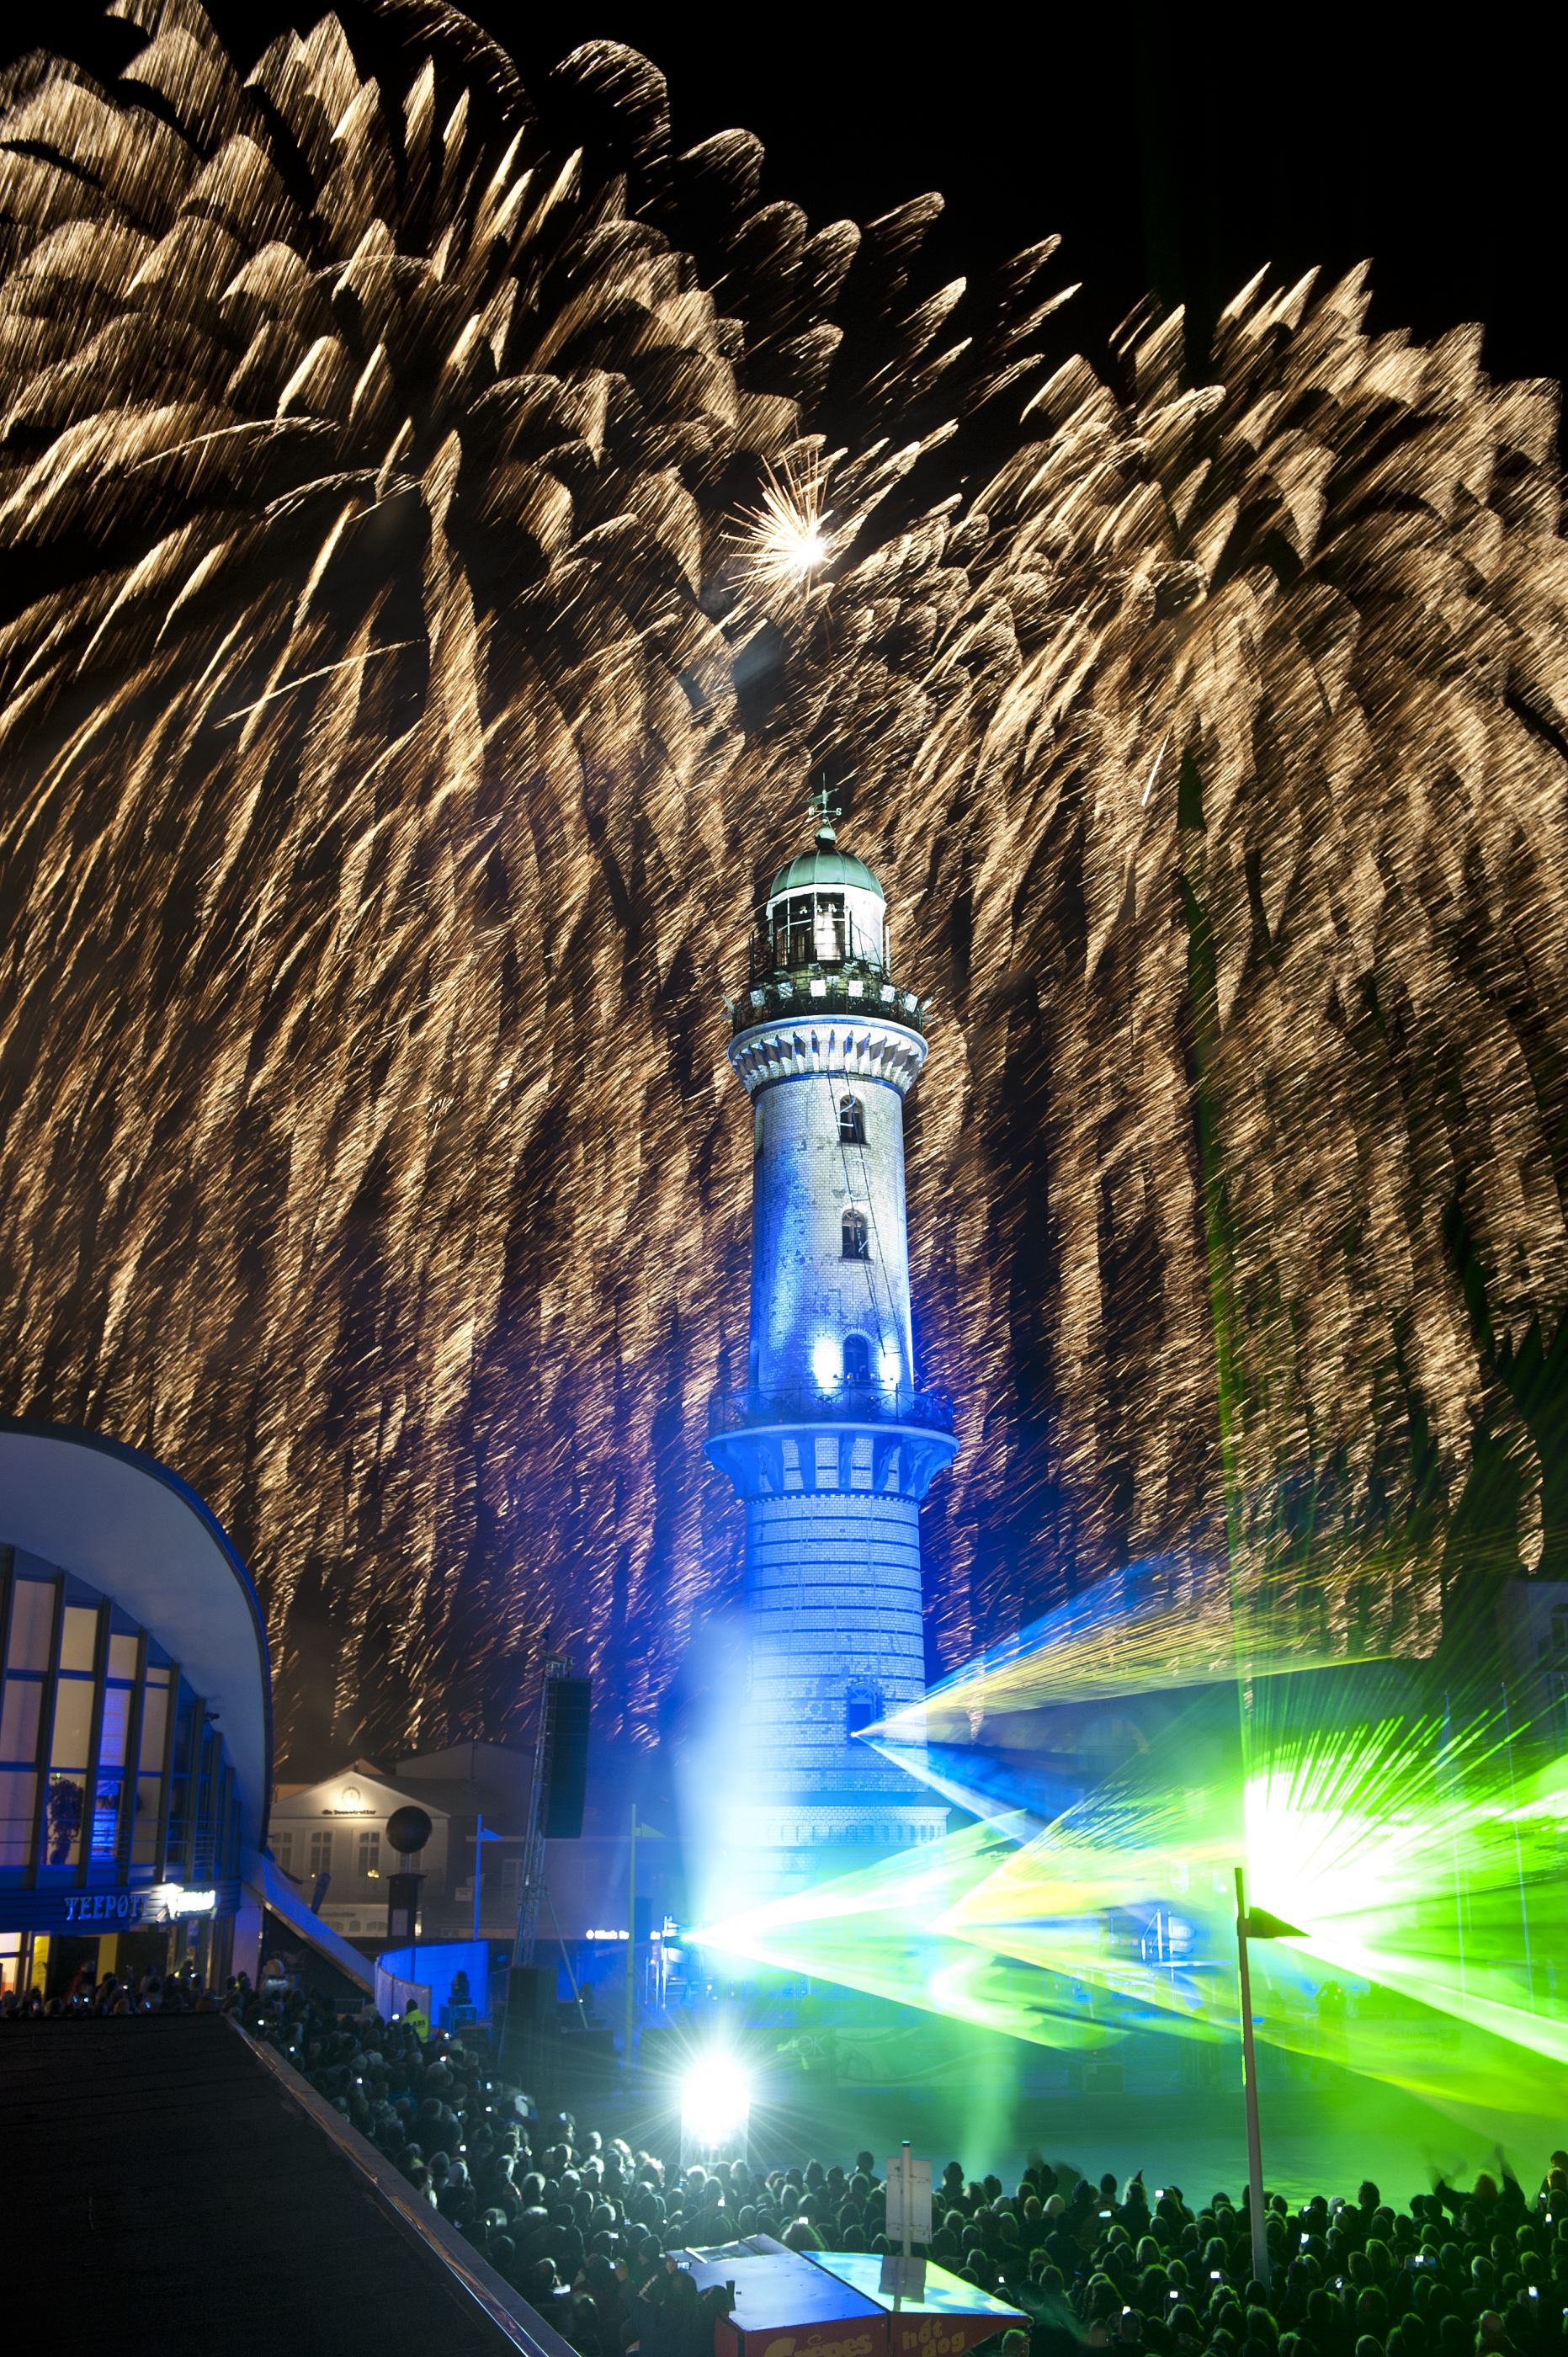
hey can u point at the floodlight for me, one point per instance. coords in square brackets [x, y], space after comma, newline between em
[715, 2111]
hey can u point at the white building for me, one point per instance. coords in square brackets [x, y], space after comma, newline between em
[832, 1443]
[339, 1828]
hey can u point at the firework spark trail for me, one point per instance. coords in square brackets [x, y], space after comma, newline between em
[367, 1143]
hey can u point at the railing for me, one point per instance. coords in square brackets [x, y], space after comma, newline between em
[836, 1403]
[808, 992]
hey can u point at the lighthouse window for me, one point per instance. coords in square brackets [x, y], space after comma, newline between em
[862, 1708]
[830, 928]
[856, 1359]
[856, 1235]
[852, 1121]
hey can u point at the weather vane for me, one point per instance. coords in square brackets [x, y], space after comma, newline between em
[823, 803]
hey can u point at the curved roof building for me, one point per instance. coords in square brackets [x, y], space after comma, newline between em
[135, 1722]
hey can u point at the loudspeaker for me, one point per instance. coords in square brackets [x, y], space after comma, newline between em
[566, 1706]
[529, 2029]
[402, 1907]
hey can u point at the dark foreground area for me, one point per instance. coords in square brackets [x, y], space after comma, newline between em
[171, 2194]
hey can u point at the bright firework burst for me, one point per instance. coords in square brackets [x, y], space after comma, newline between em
[785, 540]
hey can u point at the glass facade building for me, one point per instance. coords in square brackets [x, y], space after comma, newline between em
[128, 1651]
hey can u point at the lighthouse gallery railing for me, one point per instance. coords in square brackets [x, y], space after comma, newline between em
[830, 1403]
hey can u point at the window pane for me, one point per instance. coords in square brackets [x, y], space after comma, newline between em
[105, 1819]
[321, 1852]
[19, 1718]
[144, 1831]
[32, 1621]
[369, 1853]
[183, 1729]
[79, 1639]
[179, 1805]
[17, 1794]
[154, 1716]
[62, 1836]
[122, 1657]
[116, 1726]
[73, 1722]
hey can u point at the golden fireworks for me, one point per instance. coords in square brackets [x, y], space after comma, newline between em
[391, 762]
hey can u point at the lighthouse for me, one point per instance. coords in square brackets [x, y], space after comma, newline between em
[832, 1442]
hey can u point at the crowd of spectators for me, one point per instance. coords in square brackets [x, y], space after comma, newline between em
[181, 1991]
[1448, 2275]
[584, 2226]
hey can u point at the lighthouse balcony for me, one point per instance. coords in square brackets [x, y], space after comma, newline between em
[902, 1403]
[815, 990]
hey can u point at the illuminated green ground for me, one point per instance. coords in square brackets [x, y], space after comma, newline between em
[1314, 2140]
[990, 2102]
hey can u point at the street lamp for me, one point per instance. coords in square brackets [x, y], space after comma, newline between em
[1258, 1924]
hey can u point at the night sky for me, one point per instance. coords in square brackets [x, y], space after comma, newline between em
[1181, 149]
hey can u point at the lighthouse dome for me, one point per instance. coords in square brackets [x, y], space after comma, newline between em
[824, 868]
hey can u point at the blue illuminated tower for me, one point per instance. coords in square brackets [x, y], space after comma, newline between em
[832, 1443]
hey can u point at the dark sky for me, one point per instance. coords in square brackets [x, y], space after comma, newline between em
[1179, 146]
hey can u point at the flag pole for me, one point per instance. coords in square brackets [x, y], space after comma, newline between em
[1249, 2071]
